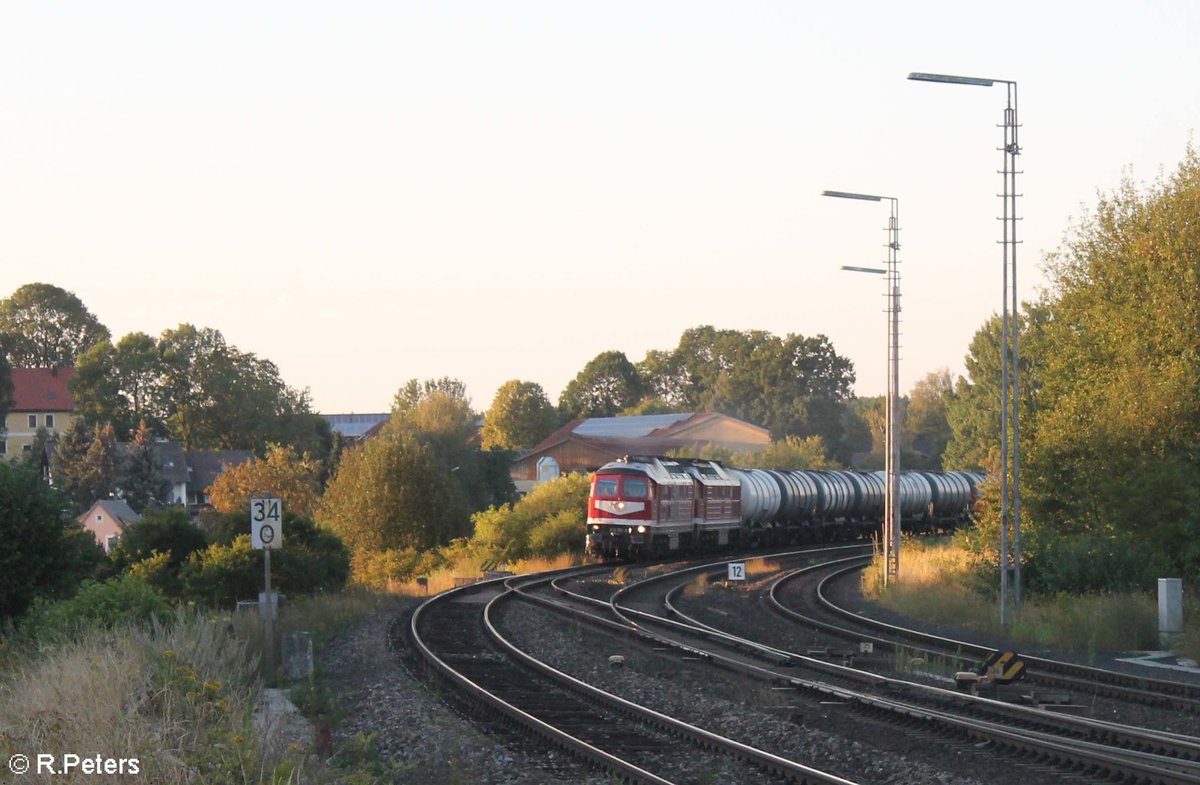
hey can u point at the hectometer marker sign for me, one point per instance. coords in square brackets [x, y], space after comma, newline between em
[266, 523]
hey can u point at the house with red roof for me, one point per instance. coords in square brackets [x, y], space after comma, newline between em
[41, 399]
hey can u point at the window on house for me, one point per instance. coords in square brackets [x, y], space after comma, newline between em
[3, 447]
[33, 421]
[111, 541]
[49, 420]
[26, 448]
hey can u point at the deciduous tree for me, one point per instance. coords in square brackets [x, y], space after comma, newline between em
[605, 386]
[520, 417]
[44, 326]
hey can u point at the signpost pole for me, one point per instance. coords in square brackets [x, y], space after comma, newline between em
[268, 620]
[266, 533]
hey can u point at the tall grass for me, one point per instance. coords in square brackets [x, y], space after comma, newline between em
[178, 697]
[935, 586]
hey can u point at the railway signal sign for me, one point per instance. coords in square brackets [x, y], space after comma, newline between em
[737, 571]
[266, 523]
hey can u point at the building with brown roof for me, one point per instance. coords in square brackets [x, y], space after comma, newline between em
[586, 445]
[41, 399]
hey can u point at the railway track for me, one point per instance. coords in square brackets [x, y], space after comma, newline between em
[456, 636]
[1102, 749]
[1049, 673]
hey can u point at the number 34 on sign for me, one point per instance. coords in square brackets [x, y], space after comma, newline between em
[266, 523]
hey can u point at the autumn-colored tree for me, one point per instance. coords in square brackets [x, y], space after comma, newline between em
[283, 473]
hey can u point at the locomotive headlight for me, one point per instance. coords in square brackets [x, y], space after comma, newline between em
[641, 530]
[620, 505]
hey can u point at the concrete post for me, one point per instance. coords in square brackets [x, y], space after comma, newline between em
[1170, 610]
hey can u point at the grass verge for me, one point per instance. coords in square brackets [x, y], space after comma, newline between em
[935, 586]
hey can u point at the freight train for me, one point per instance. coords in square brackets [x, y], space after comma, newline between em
[649, 506]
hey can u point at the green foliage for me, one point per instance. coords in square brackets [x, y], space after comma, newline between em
[925, 429]
[1117, 435]
[116, 601]
[161, 533]
[547, 522]
[793, 386]
[605, 386]
[792, 452]
[84, 465]
[220, 575]
[118, 384]
[973, 411]
[44, 326]
[520, 417]
[392, 492]
[142, 484]
[230, 569]
[383, 569]
[41, 553]
[191, 385]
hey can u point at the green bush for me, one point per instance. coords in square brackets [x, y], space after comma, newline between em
[42, 554]
[311, 560]
[1082, 564]
[166, 531]
[115, 601]
[220, 575]
[535, 526]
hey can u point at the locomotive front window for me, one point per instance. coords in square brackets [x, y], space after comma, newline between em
[606, 486]
[635, 489]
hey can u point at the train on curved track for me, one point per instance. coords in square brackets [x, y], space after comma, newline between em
[651, 506]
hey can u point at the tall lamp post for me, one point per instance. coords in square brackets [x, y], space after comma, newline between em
[1010, 544]
[891, 506]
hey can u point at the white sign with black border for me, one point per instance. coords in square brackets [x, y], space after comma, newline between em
[266, 523]
[737, 571]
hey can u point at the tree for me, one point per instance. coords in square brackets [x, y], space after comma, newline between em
[925, 429]
[438, 413]
[84, 466]
[142, 484]
[41, 553]
[973, 411]
[283, 473]
[605, 386]
[520, 417]
[390, 493]
[1113, 449]
[793, 386]
[192, 386]
[44, 326]
[120, 385]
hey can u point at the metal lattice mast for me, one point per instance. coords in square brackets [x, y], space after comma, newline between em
[1010, 361]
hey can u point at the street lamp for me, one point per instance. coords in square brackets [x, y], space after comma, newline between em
[891, 503]
[1010, 547]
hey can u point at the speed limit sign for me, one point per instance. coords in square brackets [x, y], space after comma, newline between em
[266, 523]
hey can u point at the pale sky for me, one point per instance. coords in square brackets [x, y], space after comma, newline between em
[369, 192]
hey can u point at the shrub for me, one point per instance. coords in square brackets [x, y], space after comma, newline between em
[115, 601]
[163, 531]
[41, 553]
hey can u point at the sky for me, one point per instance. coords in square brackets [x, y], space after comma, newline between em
[368, 192]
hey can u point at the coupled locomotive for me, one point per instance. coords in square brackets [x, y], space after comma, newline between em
[649, 506]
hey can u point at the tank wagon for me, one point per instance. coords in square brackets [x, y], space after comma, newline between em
[648, 506]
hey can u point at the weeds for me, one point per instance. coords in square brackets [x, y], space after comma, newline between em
[936, 585]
